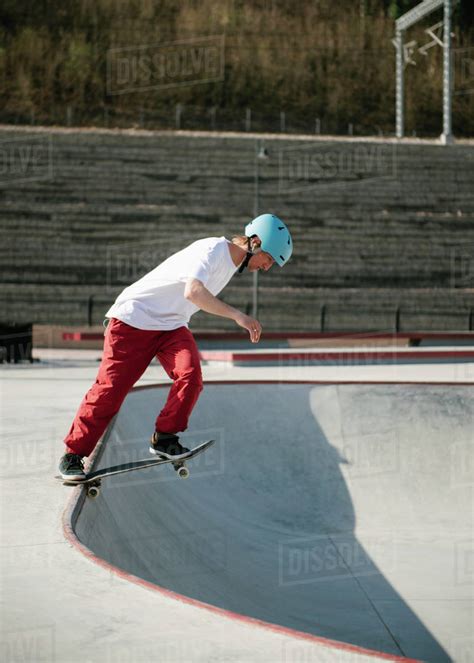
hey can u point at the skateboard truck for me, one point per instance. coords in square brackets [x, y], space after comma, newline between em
[93, 488]
[181, 469]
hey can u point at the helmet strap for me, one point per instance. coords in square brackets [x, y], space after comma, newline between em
[247, 257]
[245, 262]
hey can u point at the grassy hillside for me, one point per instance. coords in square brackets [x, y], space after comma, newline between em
[323, 64]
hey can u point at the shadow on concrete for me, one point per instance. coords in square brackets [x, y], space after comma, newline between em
[327, 509]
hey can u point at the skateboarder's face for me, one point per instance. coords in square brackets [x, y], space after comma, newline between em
[260, 261]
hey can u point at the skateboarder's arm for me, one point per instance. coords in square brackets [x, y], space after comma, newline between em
[197, 293]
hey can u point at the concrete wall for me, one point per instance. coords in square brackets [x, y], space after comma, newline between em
[377, 226]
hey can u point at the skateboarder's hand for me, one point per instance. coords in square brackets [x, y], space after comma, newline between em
[252, 325]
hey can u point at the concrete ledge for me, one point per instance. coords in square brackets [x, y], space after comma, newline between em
[337, 356]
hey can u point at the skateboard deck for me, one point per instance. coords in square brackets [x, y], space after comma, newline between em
[93, 479]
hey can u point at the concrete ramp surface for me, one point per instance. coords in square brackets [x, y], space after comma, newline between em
[342, 511]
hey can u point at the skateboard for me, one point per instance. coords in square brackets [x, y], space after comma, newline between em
[93, 480]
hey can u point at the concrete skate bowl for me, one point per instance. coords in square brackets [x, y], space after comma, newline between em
[339, 511]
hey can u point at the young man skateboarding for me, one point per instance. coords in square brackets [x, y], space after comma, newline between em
[150, 319]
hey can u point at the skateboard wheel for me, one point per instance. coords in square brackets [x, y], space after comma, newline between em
[93, 492]
[183, 473]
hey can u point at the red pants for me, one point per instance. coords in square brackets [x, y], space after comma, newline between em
[127, 353]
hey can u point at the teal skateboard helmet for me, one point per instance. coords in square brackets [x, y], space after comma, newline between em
[274, 236]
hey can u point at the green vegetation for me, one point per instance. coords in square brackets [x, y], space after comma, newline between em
[322, 62]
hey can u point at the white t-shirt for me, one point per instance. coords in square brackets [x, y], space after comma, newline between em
[156, 301]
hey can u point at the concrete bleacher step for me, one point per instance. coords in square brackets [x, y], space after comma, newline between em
[374, 230]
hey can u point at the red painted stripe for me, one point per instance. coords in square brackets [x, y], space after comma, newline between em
[82, 336]
[323, 335]
[237, 336]
[333, 355]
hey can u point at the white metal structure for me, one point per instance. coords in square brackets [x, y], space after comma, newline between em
[403, 23]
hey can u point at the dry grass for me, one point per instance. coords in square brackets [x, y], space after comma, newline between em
[310, 59]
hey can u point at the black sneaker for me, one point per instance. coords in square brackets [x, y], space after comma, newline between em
[71, 467]
[167, 445]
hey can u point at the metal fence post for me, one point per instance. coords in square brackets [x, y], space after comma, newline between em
[399, 74]
[322, 317]
[178, 112]
[397, 319]
[447, 136]
[248, 119]
[90, 308]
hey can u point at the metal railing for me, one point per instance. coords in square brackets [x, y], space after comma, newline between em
[89, 311]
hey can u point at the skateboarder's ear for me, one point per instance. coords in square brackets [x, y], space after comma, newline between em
[256, 243]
